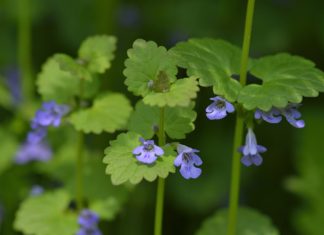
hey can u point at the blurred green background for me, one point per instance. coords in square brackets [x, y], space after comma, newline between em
[288, 187]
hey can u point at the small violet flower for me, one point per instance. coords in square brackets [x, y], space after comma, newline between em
[219, 108]
[49, 115]
[188, 160]
[251, 150]
[33, 152]
[37, 135]
[88, 222]
[36, 190]
[148, 152]
[274, 115]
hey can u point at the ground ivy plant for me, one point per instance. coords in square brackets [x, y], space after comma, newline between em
[70, 89]
[267, 89]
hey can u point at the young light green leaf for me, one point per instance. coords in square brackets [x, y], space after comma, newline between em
[123, 166]
[68, 64]
[46, 214]
[97, 53]
[146, 60]
[177, 123]
[213, 61]
[55, 84]
[181, 93]
[286, 78]
[109, 113]
[250, 222]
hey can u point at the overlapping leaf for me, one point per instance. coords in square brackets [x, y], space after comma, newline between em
[213, 61]
[46, 214]
[97, 52]
[145, 62]
[109, 113]
[123, 166]
[250, 222]
[181, 93]
[55, 84]
[286, 78]
[177, 121]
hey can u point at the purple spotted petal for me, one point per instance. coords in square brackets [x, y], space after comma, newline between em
[146, 157]
[256, 159]
[190, 171]
[246, 160]
[148, 152]
[187, 159]
[219, 108]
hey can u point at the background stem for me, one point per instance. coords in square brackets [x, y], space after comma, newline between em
[24, 49]
[239, 126]
[160, 186]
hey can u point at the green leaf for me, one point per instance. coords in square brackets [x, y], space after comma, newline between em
[46, 214]
[250, 222]
[145, 62]
[5, 96]
[9, 147]
[109, 113]
[308, 182]
[213, 61]
[123, 166]
[68, 64]
[97, 53]
[177, 123]
[55, 84]
[181, 92]
[285, 78]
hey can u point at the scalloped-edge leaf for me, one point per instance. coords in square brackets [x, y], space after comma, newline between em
[46, 214]
[286, 79]
[97, 52]
[213, 61]
[123, 166]
[55, 84]
[145, 61]
[178, 121]
[68, 64]
[181, 93]
[110, 112]
[249, 222]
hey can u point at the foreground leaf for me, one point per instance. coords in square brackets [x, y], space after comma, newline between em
[145, 62]
[213, 61]
[123, 166]
[285, 78]
[46, 214]
[177, 123]
[97, 53]
[109, 113]
[250, 222]
[181, 94]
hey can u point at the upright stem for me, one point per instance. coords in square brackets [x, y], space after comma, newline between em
[79, 171]
[239, 126]
[160, 187]
[24, 49]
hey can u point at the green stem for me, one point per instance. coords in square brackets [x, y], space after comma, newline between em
[239, 126]
[24, 49]
[79, 171]
[160, 187]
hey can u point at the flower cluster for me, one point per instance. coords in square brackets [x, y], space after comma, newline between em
[35, 148]
[291, 114]
[88, 222]
[187, 158]
[251, 150]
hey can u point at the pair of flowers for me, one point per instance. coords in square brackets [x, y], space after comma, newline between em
[34, 148]
[187, 158]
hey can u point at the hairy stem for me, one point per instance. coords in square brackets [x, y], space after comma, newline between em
[24, 49]
[239, 126]
[160, 185]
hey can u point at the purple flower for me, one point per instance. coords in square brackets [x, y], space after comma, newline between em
[37, 135]
[33, 152]
[274, 115]
[148, 152]
[49, 115]
[88, 222]
[251, 150]
[14, 84]
[188, 160]
[219, 108]
[36, 190]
